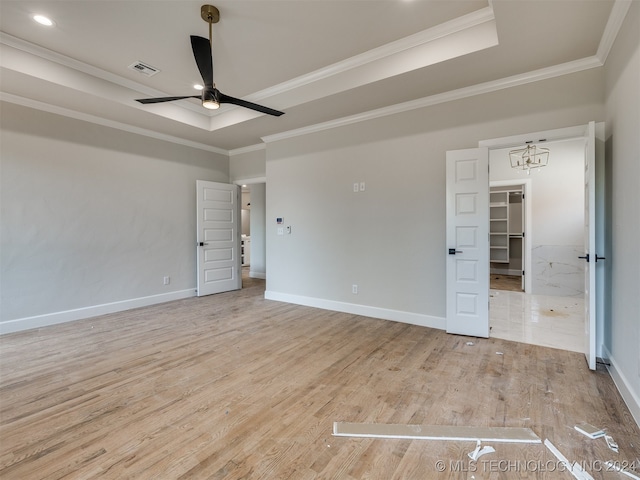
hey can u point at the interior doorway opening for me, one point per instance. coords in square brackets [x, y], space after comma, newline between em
[537, 226]
[509, 231]
[253, 231]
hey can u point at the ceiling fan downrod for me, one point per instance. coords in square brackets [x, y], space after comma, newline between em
[211, 15]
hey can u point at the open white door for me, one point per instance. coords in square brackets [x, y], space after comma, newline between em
[591, 256]
[468, 242]
[218, 225]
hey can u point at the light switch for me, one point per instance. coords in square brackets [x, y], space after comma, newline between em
[362, 185]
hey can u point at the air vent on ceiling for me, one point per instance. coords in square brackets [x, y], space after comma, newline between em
[144, 68]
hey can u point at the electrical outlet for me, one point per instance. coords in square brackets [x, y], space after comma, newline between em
[354, 289]
[166, 280]
[356, 187]
[280, 231]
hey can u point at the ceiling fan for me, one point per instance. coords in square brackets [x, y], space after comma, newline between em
[211, 96]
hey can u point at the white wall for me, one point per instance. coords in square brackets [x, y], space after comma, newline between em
[622, 332]
[390, 239]
[93, 218]
[557, 204]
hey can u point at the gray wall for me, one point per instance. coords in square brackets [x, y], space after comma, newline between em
[93, 216]
[243, 167]
[622, 335]
[390, 239]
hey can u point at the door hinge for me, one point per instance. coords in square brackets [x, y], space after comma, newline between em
[522, 234]
[523, 273]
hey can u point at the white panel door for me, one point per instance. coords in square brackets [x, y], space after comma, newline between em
[468, 242]
[593, 270]
[218, 234]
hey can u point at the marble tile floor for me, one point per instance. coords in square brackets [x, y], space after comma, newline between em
[545, 320]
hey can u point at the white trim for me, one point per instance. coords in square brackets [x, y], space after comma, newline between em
[614, 23]
[39, 321]
[85, 117]
[625, 388]
[502, 271]
[74, 64]
[250, 181]
[527, 190]
[424, 37]
[421, 38]
[436, 432]
[461, 93]
[251, 148]
[363, 310]
[254, 274]
[556, 134]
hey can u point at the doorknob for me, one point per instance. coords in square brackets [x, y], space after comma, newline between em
[599, 258]
[453, 251]
[585, 257]
[202, 244]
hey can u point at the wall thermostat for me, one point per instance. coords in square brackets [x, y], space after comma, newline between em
[279, 220]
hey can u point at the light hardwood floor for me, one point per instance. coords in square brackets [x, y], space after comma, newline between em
[233, 386]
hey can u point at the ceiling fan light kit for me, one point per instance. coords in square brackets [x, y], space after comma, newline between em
[211, 97]
[210, 100]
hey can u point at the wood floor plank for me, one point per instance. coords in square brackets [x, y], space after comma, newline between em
[233, 386]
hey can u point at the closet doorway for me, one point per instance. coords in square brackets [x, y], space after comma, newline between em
[509, 255]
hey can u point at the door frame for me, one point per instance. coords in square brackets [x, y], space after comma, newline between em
[262, 233]
[576, 132]
[528, 224]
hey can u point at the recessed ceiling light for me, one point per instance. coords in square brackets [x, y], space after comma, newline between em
[42, 20]
[197, 86]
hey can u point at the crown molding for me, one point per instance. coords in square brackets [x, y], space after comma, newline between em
[72, 63]
[250, 181]
[465, 92]
[247, 149]
[66, 112]
[424, 37]
[614, 23]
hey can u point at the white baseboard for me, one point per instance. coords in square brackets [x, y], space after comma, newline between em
[39, 321]
[505, 271]
[255, 274]
[364, 310]
[624, 387]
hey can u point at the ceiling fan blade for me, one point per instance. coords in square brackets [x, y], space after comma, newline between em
[164, 99]
[253, 106]
[204, 59]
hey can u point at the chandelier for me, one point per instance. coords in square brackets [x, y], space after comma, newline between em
[529, 157]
